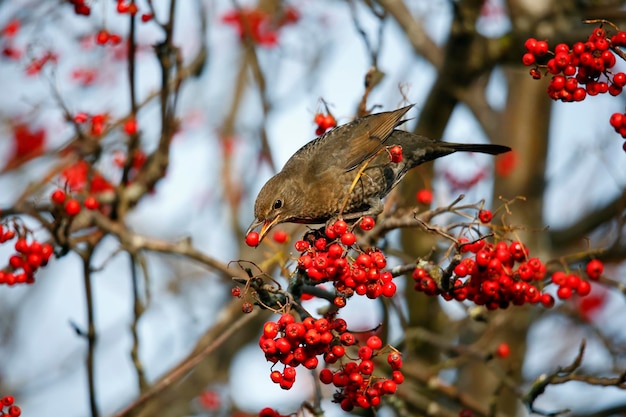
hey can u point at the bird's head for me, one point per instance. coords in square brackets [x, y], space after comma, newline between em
[277, 202]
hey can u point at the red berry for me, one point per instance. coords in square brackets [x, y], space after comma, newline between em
[395, 153]
[91, 203]
[102, 37]
[503, 350]
[280, 236]
[535, 73]
[14, 411]
[72, 207]
[81, 117]
[130, 126]
[530, 44]
[561, 48]
[7, 400]
[485, 216]
[247, 307]
[594, 269]
[619, 79]
[329, 122]
[252, 239]
[528, 59]
[541, 48]
[558, 82]
[348, 239]
[584, 288]
[389, 289]
[424, 196]
[301, 245]
[616, 120]
[326, 376]
[340, 227]
[115, 39]
[58, 196]
[389, 387]
[547, 300]
[564, 293]
[146, 17]
[367, 223]
[374, 342]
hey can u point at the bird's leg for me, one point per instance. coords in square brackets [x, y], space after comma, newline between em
[357, 177]
[376, 207]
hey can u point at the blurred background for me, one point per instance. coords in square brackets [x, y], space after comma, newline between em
[245, 81]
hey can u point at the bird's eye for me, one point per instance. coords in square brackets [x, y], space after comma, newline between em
[278, 204]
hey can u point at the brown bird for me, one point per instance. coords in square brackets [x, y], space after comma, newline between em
[347, 171]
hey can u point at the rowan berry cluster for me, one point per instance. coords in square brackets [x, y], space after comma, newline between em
[260, 26]
[27, 260]
[582, 69]
[8, 408]
[495, 276]
[98, 121]
[104, 37]
[327, 259]
[72, 206]
[295, 343]
[501, 274]
[324, 122]
[358, 387]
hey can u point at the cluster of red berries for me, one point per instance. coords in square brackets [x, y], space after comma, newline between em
[295, 343]
[358, 386]
[327, 259]
[324, 122]
[126, 7]
[497, 276]
[577, 70]
[571, 283]
[7, 408]
[261, 27]
[6, 234]
[72, 206]
[81, 175]
[36, 64]
[104, 36]
[503, 274]
[98, 121]
[299, 343]
[81, 7]
[23, 265]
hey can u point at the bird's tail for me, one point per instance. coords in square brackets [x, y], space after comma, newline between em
[477, 147]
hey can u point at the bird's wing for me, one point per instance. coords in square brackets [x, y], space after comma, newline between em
[364, 137]
[347, 146]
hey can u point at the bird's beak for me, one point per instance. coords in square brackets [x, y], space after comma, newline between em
[266, 225]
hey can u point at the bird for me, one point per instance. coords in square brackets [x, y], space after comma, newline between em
[346, 172]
